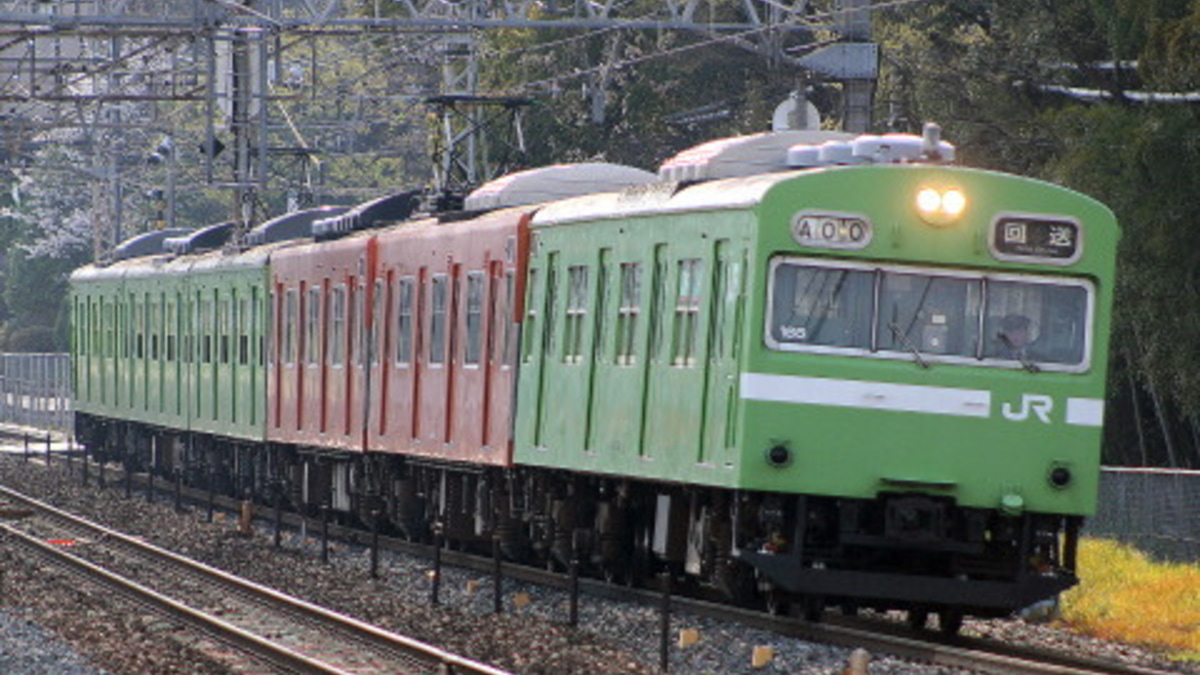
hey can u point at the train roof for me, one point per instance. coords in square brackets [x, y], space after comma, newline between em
[765, 152]
[375, 213]
[551, 183]
[661, 197]
[147, 243]
[737, 172]
[294, 225]
[202, 239]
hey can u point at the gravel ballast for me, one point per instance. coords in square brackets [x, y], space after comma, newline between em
[531, 636]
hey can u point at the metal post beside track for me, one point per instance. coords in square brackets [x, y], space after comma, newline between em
[278, 536]
[437, 564]
[664, 645]
[497, 578]
[375, 516]
[573, 607]
[212, 492]
[325, 533]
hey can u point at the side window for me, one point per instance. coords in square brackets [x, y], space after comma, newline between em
[359, 322]
[312, 327]
[290, 316]
[474, 341]
[244, 329]
[172, 329]
[551, 305]
[228, 321]
[404, 321]
[139, 324]
[437, 320]
[509, 356]
[576, 313]
[337, 326]
[377, 297]
[628, 309]
[109, 331]
[156, 327]
[209, 325]
[530, 329]
[658, 300]
[720, 295]
[687, 313]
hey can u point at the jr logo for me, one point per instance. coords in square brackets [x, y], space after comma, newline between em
[1038, 404]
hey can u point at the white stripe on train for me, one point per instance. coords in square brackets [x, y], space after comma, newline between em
[894, 397]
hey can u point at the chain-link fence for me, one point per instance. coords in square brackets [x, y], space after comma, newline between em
[1156, 510]
[35, 391]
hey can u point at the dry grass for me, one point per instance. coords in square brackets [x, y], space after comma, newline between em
[1125, 596]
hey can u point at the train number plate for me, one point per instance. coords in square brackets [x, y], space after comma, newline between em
[831, 230]
[1036, 238]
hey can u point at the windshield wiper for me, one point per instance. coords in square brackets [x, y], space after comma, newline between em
[1026, 362]
[907, 344]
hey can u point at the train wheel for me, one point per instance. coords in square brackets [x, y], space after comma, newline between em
[777, 602]
[950, 621]
[813, 607]
[917, 618]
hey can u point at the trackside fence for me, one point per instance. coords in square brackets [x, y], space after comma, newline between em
[35, 391]
[1155, 510]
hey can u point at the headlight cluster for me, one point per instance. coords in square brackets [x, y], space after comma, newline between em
[941, 206]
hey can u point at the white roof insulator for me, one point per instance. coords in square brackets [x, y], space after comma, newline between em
[870, 149]
[740, 155]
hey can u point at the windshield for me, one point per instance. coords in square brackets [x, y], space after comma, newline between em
[898, 312]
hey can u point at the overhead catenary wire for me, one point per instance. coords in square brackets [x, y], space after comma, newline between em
[807, 22]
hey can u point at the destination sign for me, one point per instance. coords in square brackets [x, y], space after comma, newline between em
[1049, 240]
[831, 230]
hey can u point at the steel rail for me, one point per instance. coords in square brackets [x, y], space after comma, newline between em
[246, 642]
[852, 632]
[367, 634]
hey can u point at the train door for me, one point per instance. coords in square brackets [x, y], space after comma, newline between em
[381, 350]
[566, 366]
[596, 356]
[400, 412]
[470, 374]
[541, 336]
[275, 376]
[433, 380]
[502, 347]
[675, 379]
[619, 354]
[721, 366]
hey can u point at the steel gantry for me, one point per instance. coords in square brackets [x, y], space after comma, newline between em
[95, 75]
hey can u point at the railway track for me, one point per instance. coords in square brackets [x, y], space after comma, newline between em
[875, 635]
[288, 634]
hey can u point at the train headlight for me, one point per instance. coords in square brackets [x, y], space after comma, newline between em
[941, 206]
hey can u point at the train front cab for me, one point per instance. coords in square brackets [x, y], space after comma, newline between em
[899, 451]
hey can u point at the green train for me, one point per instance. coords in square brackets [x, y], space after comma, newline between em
[797, 369]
